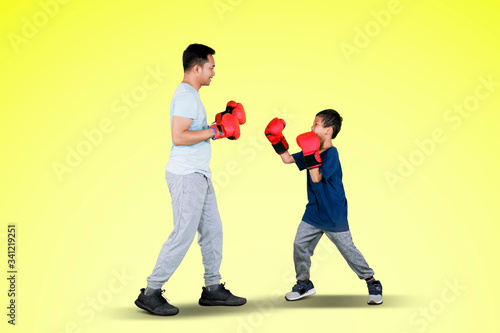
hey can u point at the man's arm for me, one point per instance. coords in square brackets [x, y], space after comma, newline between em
[182, 136]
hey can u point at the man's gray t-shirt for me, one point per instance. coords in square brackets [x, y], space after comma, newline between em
[186, 103]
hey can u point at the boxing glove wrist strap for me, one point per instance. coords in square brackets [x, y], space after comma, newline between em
[218, 131]
[281, 146]
[312, 161]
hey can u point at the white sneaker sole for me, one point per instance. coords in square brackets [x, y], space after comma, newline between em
[293, 295]
[374, 299]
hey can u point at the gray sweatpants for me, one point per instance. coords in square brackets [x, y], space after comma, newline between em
[195, 210]
[307, 238]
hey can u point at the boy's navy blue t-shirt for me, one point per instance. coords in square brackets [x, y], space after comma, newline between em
[327, 206]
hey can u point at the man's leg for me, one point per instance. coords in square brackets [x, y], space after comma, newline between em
[210, 240]
[188, 194]
[210, 237]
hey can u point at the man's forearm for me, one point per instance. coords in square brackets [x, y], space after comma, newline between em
[189, 138]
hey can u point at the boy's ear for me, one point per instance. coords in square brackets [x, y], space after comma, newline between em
[332, 128]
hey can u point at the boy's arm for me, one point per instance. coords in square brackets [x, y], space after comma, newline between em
[287, 158]
[182, 136]
[309, 143]
[316, 175]
[274, 133]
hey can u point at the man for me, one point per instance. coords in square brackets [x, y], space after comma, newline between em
[188, 175]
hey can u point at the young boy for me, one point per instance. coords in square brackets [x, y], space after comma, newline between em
[326, 211]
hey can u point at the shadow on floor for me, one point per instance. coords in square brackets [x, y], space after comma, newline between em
[265, 304]
[346, 301]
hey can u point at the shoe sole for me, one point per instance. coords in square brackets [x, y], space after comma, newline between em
[374, 299]
[203, 302]
[308, 293]
[144, 307]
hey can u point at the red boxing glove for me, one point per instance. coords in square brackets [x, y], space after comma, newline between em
[274, 133]
[236, 109]
[309, 143]
[227, 128]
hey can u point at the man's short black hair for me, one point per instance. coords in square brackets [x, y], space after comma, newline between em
[331, 118]
[196, 54]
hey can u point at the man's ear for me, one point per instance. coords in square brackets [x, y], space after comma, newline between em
[196, 69]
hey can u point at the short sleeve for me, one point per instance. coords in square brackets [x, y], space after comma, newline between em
[185, 105]
[299, 160]
[330, 162]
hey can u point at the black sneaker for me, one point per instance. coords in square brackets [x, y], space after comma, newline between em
[156, 303]
[301, 290]
[374, 292]
[220, 296]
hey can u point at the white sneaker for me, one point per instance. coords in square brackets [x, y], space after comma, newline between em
[301, 290]
[375, 292]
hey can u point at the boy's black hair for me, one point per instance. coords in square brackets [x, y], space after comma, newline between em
[196, 54]
[331, 118]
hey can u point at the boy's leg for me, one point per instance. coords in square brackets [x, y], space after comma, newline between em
[188, 195]
[305, 242]
[344, 243]
[210, 237]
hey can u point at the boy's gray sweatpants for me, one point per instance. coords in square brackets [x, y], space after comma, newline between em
[195, 210]
[307, 238]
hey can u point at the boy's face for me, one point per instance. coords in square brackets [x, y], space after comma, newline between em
[319, 130]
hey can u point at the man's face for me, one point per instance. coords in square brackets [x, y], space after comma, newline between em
[207, 72]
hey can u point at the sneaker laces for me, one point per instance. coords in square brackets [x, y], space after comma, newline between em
[223, 288]
[300, 285]
[163, 295]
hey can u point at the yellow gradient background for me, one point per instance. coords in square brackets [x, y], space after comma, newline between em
[421, 177]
